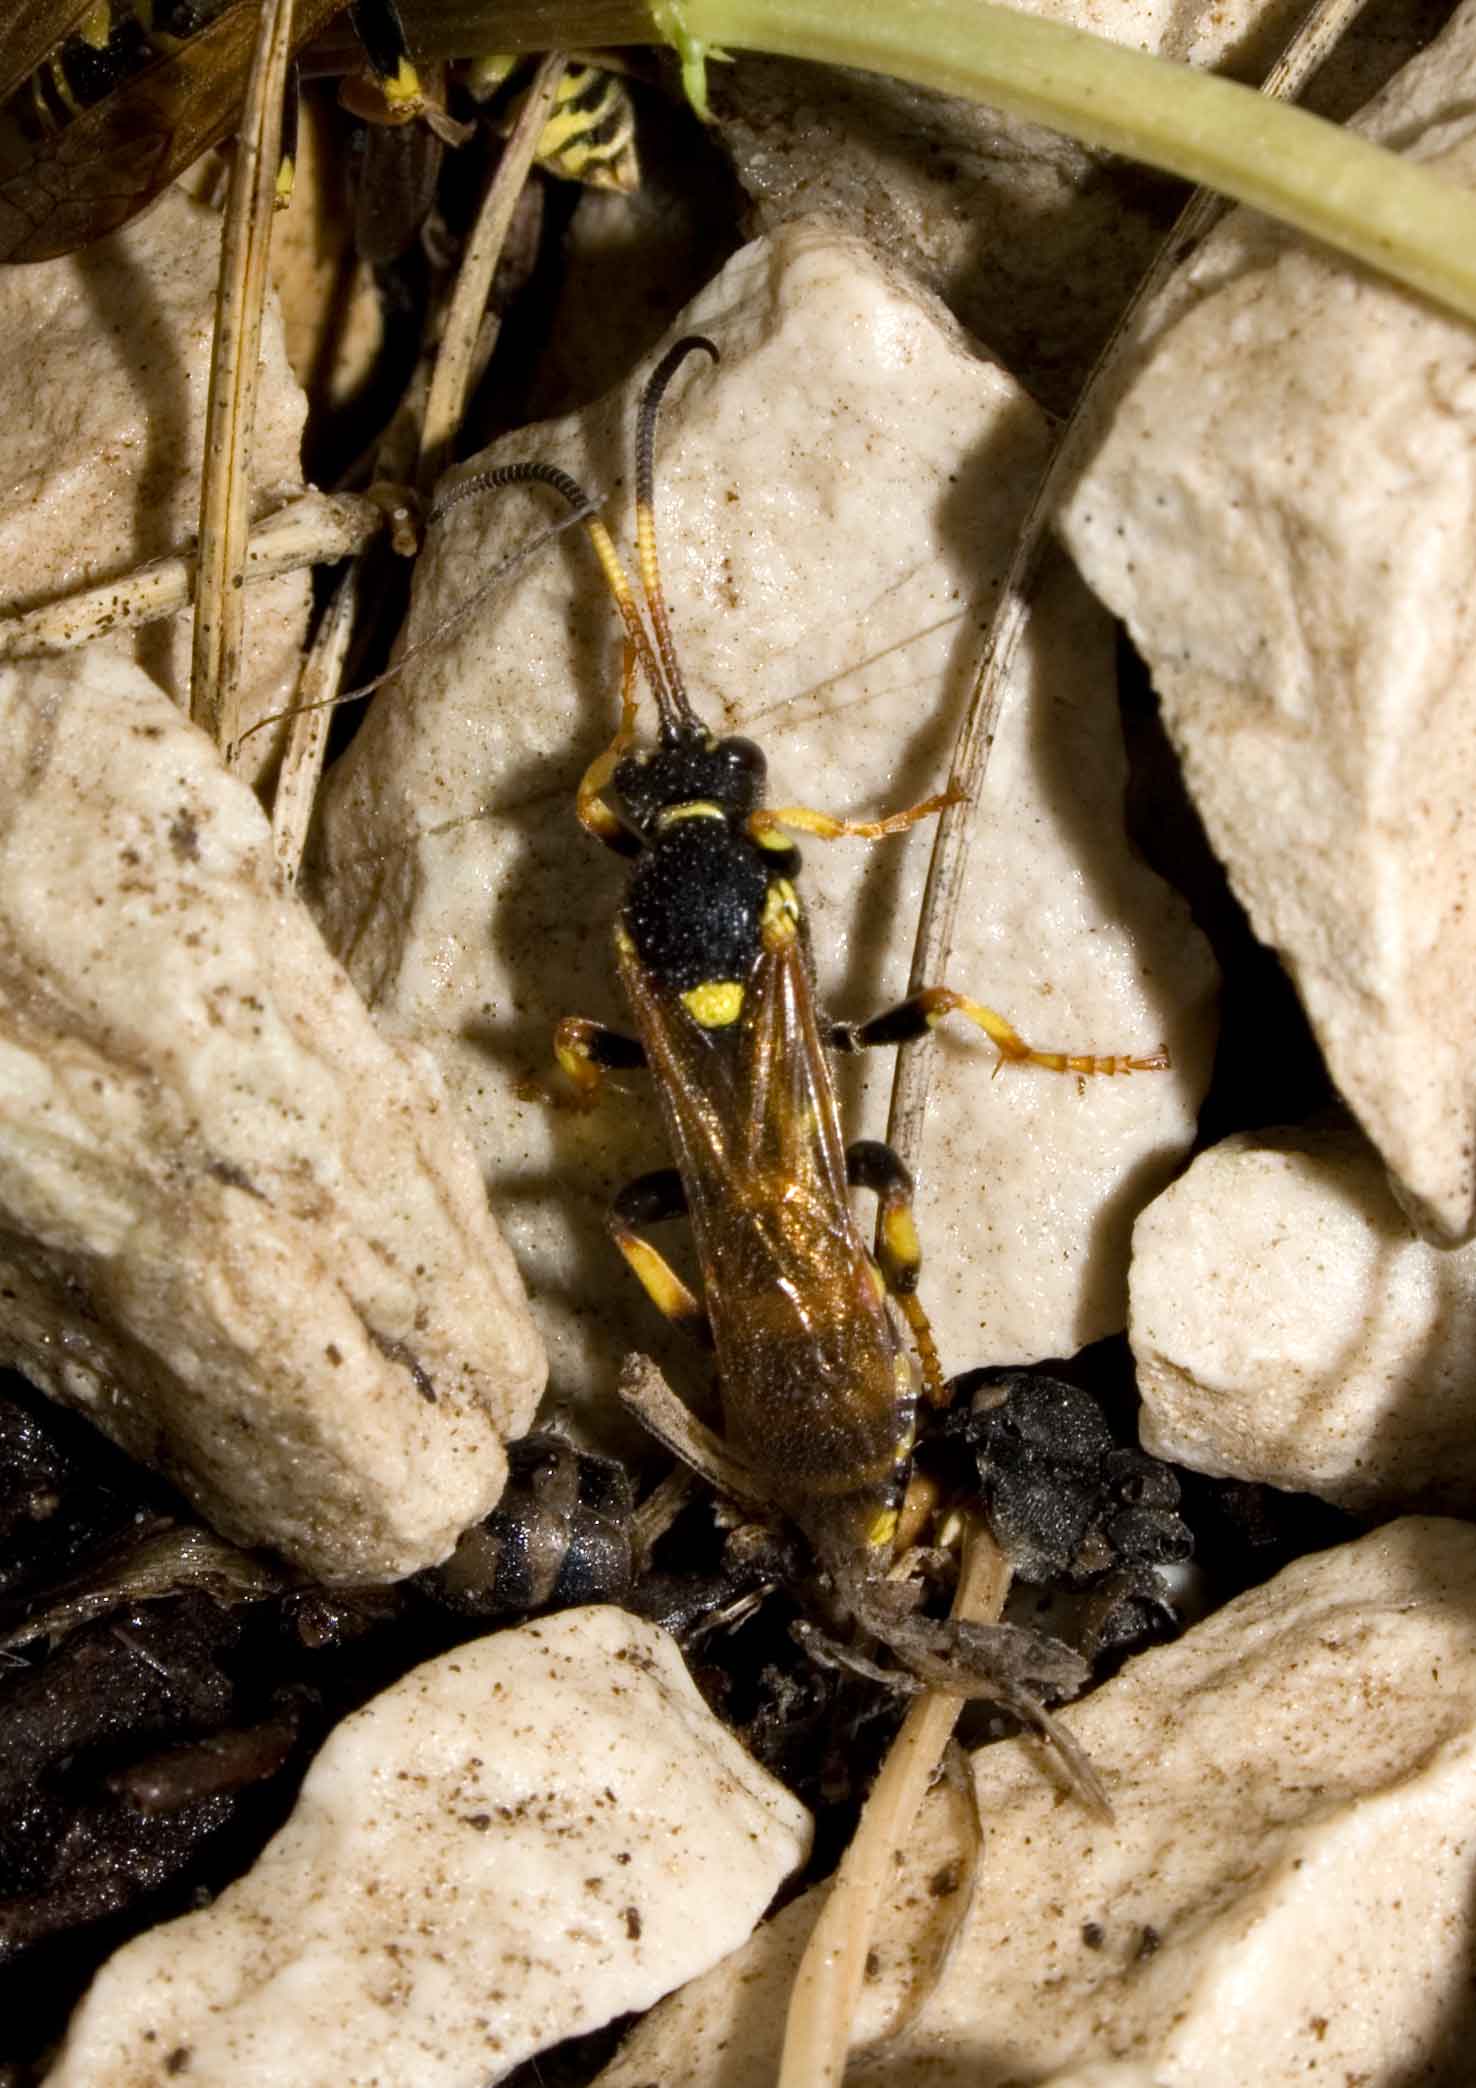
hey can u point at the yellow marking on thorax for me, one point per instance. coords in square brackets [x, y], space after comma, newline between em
[695, 808]
[716, 1003]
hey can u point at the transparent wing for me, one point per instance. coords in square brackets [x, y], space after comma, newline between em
[815, 1386]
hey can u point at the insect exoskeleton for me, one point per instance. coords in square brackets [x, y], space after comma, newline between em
[822, 1345]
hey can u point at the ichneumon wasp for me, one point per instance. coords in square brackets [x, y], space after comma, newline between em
[814, 1335]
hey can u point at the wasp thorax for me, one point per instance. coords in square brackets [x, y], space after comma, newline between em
[694, 769]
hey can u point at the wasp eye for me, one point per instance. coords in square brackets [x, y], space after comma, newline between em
[744, 770]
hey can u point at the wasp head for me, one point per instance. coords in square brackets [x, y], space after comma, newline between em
[690, 768]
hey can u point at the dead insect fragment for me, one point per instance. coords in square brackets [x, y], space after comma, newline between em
[560, 1535]
[809, 1328]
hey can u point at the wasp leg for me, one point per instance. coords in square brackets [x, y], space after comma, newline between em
[1004, 1664]
[804, 819]
[393, 91]
[647, 1201]
[921, 1012]
[644, 1392]
[594, 814]
[872, 1165]
[587, 1051]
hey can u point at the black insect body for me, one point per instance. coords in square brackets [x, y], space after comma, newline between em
[560, 1535]
[810, 1329]
[1074, 1511]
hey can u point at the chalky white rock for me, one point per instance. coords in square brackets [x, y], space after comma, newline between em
[1286, 1895]
[238, 1228]
[1289, 1325]
[837, 502]
[102, 398]
[1283, 509]
[520, 1840]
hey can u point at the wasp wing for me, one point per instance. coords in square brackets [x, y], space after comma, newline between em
[93, 174]
[816, 1388]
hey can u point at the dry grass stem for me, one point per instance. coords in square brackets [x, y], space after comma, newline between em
[317, 529]
[230, 411]
[463, 350]
[302, 763]
[817, 2036]
[644, 1393]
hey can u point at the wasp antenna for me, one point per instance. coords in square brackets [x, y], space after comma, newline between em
[512, 475]
[673, 713]
[650, 571]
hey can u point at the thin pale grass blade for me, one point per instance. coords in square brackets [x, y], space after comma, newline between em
[660, 1509]
[230, 413]
[460, 357]
[302, 762]
[953, 836]
[317, 529]
[822, 2007]
[645, 1394]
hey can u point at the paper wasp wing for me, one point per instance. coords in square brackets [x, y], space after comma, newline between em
[93, 173]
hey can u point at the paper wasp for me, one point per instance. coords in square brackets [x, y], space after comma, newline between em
[104, 102]
[809, 1327]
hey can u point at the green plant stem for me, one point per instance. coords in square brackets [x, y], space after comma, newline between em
[1387, 212]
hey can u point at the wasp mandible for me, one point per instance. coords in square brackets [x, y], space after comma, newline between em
[814, 1334]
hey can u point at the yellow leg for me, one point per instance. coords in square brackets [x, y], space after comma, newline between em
[591, 810]
[870, 1165]
[1007, 1041]
[647, 1201]
[923, 1011]
[803, 819]
[586, 1052]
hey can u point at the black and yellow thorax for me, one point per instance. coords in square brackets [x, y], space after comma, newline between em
[706, 888]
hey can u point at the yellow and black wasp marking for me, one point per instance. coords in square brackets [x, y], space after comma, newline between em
[809, 1327]
[104, 102]
[591, 135]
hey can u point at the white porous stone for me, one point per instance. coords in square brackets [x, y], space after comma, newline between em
[1286, 1894]
[1283, 507]
[519, 1841]
[1289, 1325]
[238, 1228]
[104, 368]
[837, 503]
